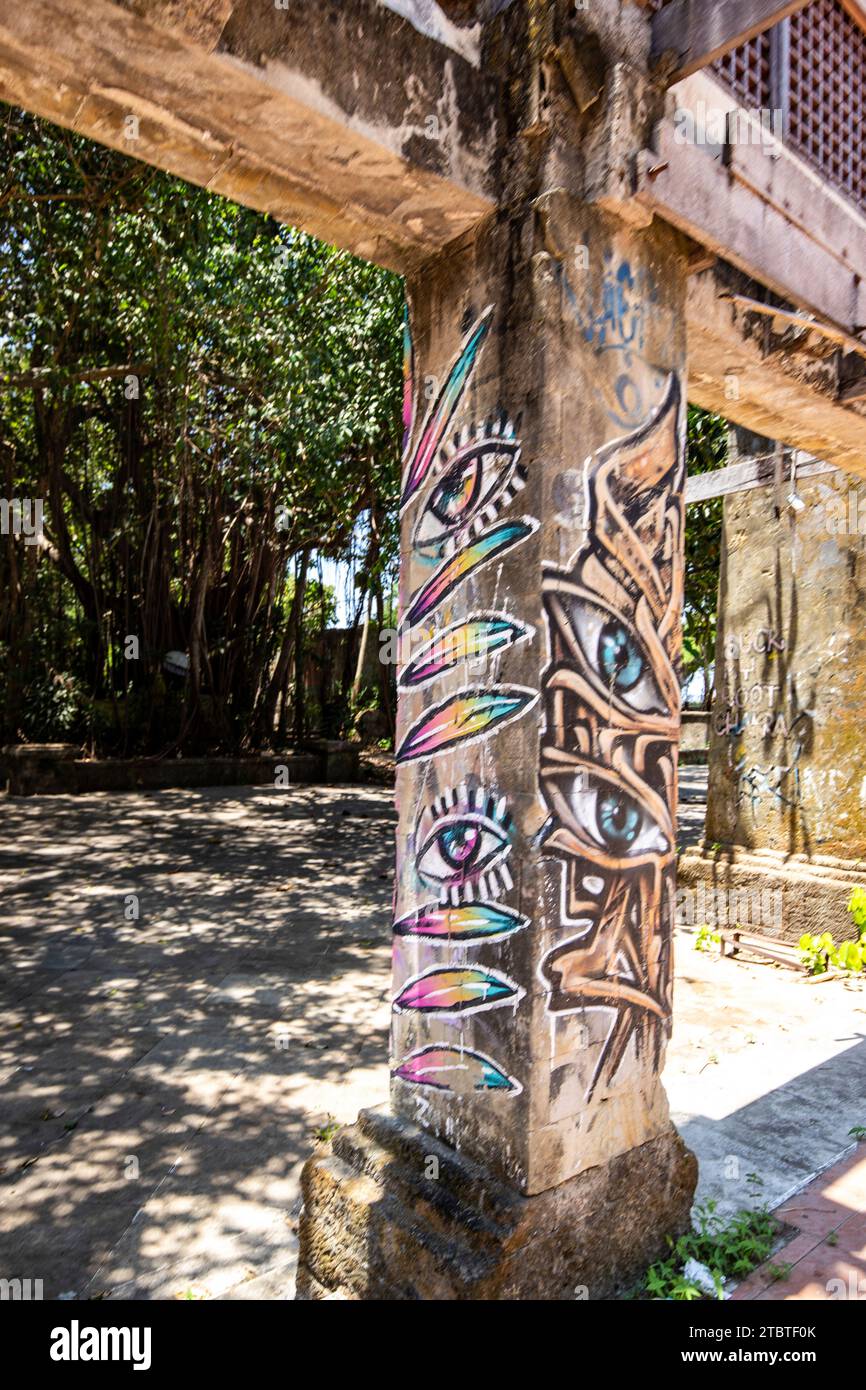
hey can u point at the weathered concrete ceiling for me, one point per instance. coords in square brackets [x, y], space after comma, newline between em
[457, 26]
[777, 380]
[391, 159]
[342, 117]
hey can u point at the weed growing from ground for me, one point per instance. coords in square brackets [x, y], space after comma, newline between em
[729, 1247]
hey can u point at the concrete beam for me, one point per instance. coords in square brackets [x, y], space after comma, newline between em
[755, 203]
[778, 381]
[296, 117]
[698, 33]
[457, 26]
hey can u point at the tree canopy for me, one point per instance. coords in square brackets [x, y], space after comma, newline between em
[209, 403]
[205, 399]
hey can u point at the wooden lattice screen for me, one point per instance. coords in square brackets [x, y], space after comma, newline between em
[812, 68]
[747, 71]
[827, 93]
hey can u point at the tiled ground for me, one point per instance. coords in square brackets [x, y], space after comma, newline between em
[162, 1080]
[826, 1258]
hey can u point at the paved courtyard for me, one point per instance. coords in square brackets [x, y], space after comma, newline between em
[164, 1076]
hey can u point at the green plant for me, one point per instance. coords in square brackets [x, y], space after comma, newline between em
[858, 1132]
[780, 1271]
[707, 938]
[326, 1132]
[729, 1248]
[857, 908]
[815, 952]
[819, 953]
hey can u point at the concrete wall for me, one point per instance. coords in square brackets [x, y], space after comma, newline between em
[787, 760]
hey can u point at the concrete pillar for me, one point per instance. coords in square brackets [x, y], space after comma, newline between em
[528, 1149]
[540, 600]
[786, 818]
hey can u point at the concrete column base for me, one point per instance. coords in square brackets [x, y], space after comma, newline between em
[391, 1214]
[772, 893]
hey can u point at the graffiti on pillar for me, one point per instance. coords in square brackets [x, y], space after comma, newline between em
[408, 381]
[609, 750]
[473, 924]
[443, 409]
[481, 636]
[475, 478]
[457, 1069]
[614, 320]
[759, 692]
[464, 717]
[453, 990]
[465, 838]
[489, 546]
[460, 475]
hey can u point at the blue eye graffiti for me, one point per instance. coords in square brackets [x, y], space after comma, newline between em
[614, 654]
[619, 820]
[604, 817]
[619, 657]
[609, 753]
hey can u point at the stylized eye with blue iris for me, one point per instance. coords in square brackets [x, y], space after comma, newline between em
[615, 821]
[617, 655]
[620, 659]
[481, 475]
[619, 820]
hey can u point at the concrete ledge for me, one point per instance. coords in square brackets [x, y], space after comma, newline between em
[392, 1213]
[814, 893]
[694, 736]
[55, 769]
[274, 107]
[758, 205]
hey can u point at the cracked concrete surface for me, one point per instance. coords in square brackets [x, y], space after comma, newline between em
[163, 1079]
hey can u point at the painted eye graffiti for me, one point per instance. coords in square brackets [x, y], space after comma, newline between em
[463, 855]
[618, 656]
[615, 821]
[480, 477]
[457, 1069]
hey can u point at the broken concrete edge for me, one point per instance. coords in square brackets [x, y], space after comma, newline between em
[58, 769]
[390, 1213]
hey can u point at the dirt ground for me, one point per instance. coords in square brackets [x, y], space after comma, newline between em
[164, 1076]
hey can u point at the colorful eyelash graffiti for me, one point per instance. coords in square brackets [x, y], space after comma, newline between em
[482, 636]
[609, 753]
[463, 839]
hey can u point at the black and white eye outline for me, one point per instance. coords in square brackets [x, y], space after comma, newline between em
[474, 826]
[612, 649]
[475, 479]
